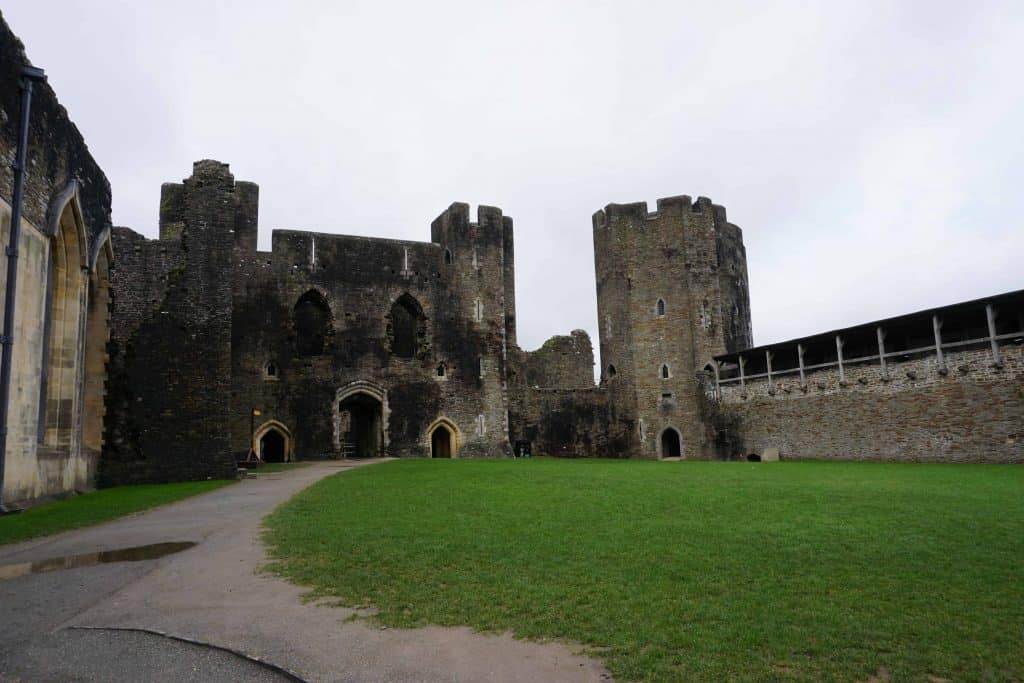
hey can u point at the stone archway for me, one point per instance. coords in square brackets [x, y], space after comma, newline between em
[360, 420]
[97, 334]
[64, 324]
[443, 439]
[670, 445]
[278, 438]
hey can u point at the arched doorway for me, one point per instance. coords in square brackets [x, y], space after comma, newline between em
[272, 446]
[441, 443]
[273, 442]
[361, 420]
[443, 438]
[670, 444]
[361, 426]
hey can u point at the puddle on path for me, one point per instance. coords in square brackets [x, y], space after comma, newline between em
[135, 554]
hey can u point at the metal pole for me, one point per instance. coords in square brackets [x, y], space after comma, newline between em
[29, 75]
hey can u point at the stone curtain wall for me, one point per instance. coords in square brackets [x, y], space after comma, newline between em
[972, 413]
[564, 361]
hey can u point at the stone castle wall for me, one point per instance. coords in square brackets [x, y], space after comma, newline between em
[169, 395]
[972, 412]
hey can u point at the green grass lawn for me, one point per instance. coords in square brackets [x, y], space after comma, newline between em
[98, 506]
[685, 571]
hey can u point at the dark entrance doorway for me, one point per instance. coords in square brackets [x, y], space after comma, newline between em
[441, 443]
[272, 446]
[361, 428]
[670, 446]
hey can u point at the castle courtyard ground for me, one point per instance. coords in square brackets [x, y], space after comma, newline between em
[66, 625]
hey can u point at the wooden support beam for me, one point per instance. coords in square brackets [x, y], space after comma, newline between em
[990, 314]
[800, 360]
[937, 329]
[880, 333]
[839, 355]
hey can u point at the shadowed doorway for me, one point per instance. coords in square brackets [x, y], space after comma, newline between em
[441, 443]
[670, 446]
[272, 446]
[361, 428]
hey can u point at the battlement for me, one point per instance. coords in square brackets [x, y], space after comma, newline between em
[210, 175]
[677, 204]
[456, 217]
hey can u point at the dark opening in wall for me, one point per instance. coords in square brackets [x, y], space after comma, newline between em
[447, 257]
[670, 445]
[661, 307]
[664, 372]
[312, 321]
[753, 457]
[441, 370]
[272, 446]
[271, 370]
[441, 443]
[361, 424]
[406, 326]
[611, 370]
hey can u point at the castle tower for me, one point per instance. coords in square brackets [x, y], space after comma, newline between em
[671, 293]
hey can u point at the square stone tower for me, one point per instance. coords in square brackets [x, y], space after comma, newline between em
[671, 294]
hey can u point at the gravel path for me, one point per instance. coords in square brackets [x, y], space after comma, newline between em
[215, 594]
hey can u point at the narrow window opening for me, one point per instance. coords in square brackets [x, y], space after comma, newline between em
[611, 370]
[664, 372]
[661, 307]
[447, 257]
[441, 370]
[271, 370]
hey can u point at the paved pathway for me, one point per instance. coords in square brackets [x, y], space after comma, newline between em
[215, 593]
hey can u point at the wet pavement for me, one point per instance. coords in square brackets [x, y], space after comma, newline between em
[178, 592]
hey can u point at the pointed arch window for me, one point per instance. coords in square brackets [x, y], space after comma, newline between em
[312, 322]
[442, 369]
[447, 257]
[407, 327]
[665, 373]
[660, 307]
[611, 370]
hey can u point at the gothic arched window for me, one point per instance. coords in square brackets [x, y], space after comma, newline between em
[661, 307]
[312, 321]
[407, 326]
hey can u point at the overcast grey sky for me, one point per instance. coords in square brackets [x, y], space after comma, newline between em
[871, 151]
